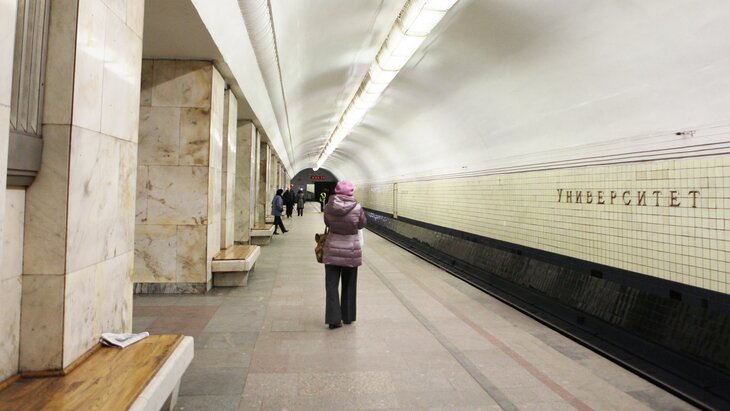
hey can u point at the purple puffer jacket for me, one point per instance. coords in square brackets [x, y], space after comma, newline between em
[344, 216]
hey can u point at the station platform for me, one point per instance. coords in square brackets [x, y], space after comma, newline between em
[423, 339]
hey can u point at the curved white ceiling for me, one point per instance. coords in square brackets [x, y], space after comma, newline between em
[499, 83]
[504, 83]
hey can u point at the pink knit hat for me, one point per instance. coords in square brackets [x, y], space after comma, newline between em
[345, 187]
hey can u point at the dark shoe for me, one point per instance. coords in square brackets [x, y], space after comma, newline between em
[276, 233]
[284, 231]
[333, 326]
[347, 322]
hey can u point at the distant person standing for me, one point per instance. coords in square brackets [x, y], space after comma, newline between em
[277, 207]
[342, 254]
[300, 202]
[288, 198]
[322, 199]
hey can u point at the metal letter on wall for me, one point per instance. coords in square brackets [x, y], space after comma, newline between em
[26, 106]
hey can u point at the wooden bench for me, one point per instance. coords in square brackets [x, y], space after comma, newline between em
[144, 376]
[261, 234]
[232, 265]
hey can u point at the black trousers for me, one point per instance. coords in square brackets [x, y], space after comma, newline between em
[340, 308]
[300, 210]
[289, 210]
[278, 223]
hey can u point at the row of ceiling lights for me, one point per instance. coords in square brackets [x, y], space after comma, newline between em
[414, 23]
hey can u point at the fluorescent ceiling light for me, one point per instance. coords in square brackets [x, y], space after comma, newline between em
[414, 23]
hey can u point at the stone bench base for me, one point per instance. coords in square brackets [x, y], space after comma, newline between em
[261, 235]
[232, 265]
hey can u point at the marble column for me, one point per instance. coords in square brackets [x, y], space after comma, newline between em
[10, 277]
[264, 183]
[79, 215]
[228, 178]
[244, 207]
[178, 217]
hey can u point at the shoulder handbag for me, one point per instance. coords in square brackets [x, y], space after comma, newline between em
[319, 248]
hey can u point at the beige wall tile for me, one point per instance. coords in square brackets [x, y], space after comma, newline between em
[191, 253]
[146, 79]
[59, 83]
[10, 292]
[89, 65]
[178, 195]
[135, 16]
[166, 91]
[195, 137]
[159, 130]
[155, 248]
[121, 91]
[46, 210]
[195, 82]
[13, 222]
[143, 182]
[41, 325]
[98, 299]
[100, 185]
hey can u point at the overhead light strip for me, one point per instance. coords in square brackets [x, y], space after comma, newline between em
[414, 23]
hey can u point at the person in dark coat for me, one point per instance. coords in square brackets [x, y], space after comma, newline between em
[288, 198]
[300, 202]
[277, 207]
[342, 253]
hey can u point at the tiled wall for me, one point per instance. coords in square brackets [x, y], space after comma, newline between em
[178, 210]
[666, 230]
[79, 224]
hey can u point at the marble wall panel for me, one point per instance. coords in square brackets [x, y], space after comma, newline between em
[196, 78]
[41, 325]
[196, 140]
[214, 213]
[135, 16]
[121, 91]
[155, 248]
[142, 195]
[159, 128]
[13, 222]
[118, 7]
[97, 299]
[10, 292]
[264, 184]
[177, 195]
[59, 85]
[228, 209]
[11, 281]
[244, 182]
[181, 83]
[191, 254]
[8, 12]
[228, 164]
[100, 185]
[217, 117]
[147, 83]
[46, 210]
[89, 65]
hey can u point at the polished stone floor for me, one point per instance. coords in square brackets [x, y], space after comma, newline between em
[422, 340]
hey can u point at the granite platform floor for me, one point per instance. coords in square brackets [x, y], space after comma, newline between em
[422, 340]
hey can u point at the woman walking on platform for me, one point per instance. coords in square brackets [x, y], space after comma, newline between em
[342, 253]
[277, 207]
